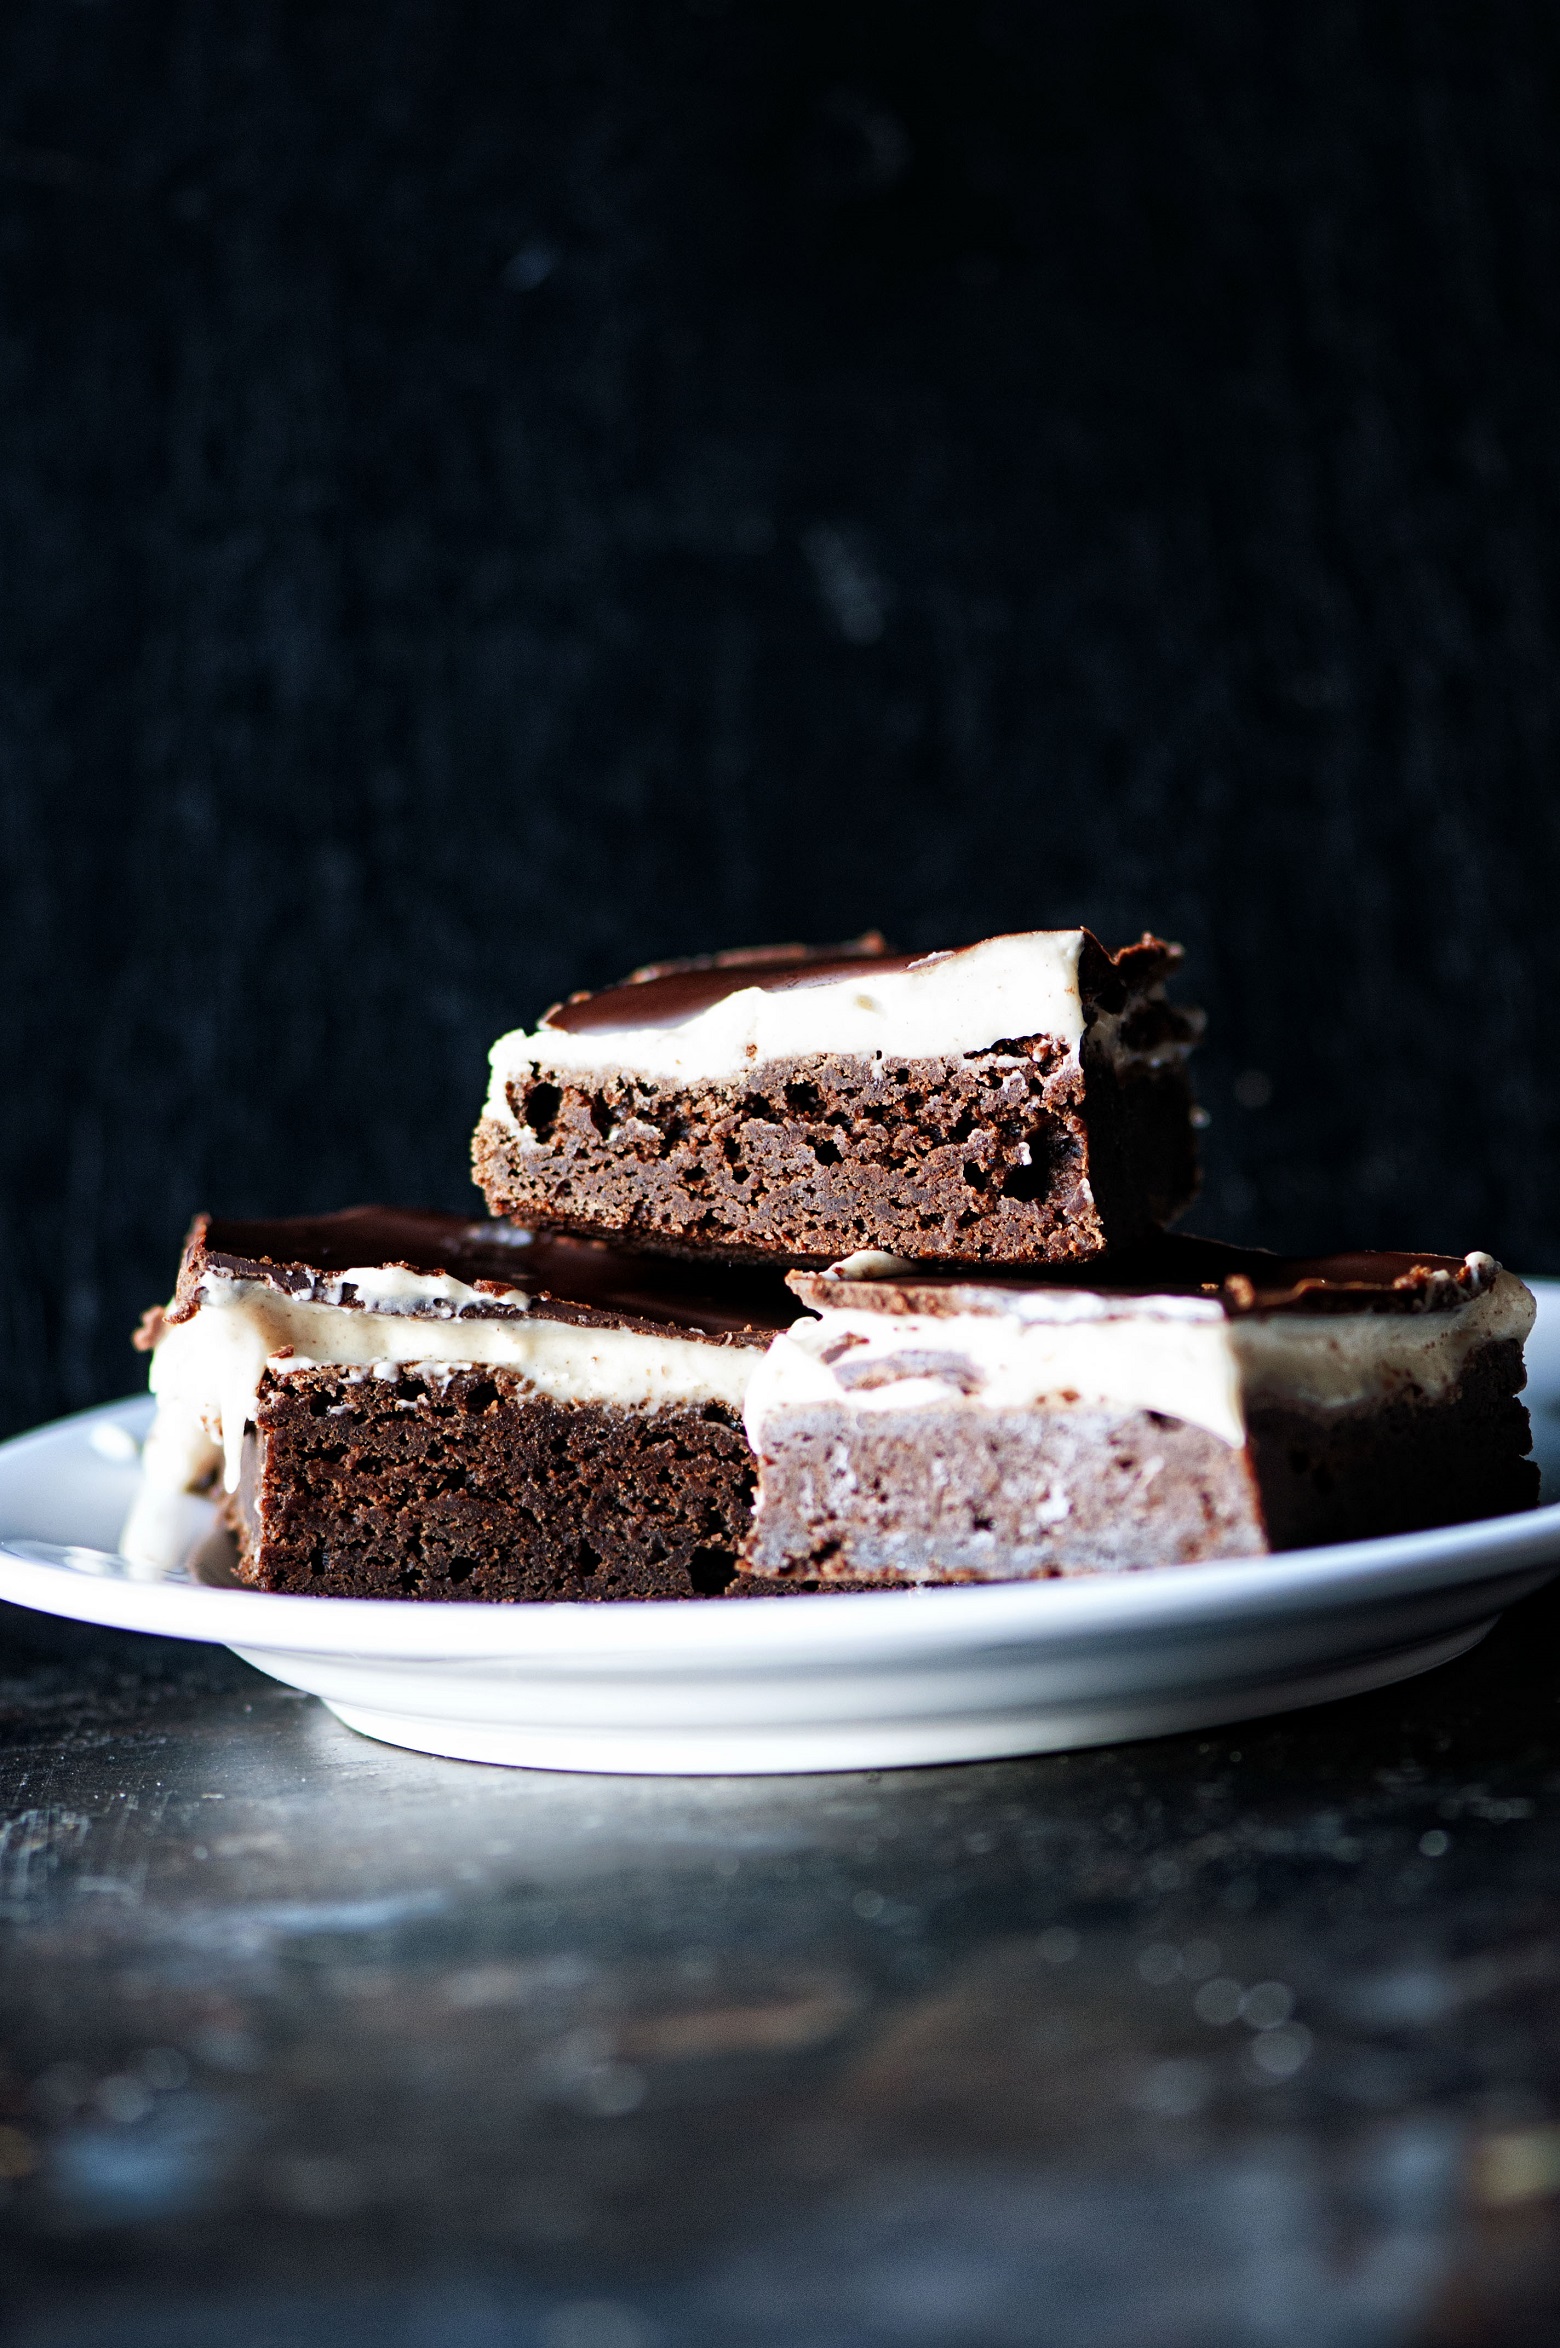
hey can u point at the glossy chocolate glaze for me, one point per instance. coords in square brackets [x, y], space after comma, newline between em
[563, 1279]
[665, 994]
[1242, 1279]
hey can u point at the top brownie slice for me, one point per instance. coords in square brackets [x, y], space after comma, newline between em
[1023, 1100]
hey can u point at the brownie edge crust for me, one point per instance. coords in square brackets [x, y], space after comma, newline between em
[473, 1486]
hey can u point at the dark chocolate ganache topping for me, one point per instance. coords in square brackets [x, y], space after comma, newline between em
[1242, 1279]
[665, 994]
[564, 1279]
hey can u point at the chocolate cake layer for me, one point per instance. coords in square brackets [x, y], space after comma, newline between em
[1192, 1402]
[1020, 1101]
[472, 1486]
[404, 1404]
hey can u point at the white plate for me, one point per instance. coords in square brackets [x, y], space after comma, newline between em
[872, 1682]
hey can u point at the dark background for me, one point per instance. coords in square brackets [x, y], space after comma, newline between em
[490, 494]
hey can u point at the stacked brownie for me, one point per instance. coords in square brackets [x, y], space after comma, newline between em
[1024, 1101]
[821, 1270]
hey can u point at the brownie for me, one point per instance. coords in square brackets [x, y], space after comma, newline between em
[475, 1486]
[1188, 1402]
[1020, 1101]
[401, 1404]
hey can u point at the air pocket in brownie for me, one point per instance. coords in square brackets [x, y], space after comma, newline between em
[406, 1405]
[1023, 1100]
[1190, 1403]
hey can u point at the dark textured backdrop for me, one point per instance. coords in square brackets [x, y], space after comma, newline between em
[491, 493]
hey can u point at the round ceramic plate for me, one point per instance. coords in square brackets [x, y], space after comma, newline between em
[880, 1681]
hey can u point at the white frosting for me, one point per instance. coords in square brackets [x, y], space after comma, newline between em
[1177, 1355]
[178, 1456]
[1340, 1361]
[1177, 1361]
[944, 1004]
[391, 1288]
[873, 1263]
[206, 1371]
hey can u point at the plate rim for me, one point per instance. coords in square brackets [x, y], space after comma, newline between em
[1062, 1610]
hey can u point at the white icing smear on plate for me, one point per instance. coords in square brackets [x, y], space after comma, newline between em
[943, 1005]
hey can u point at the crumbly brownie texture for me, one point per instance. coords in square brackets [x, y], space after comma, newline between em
[956, 1498]
[472, 1486]
[960, 1499]
[1034, 1148]
[1068, 1485]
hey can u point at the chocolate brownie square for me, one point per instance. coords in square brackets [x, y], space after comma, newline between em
[1019, 1101]
[405, 1405]
[1188, 1403]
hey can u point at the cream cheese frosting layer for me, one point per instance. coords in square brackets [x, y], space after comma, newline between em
[1180, 1356]
[1335, 1361]
[396, 1288]
[1178, 1361]
[206, 1371]
[941, 1006]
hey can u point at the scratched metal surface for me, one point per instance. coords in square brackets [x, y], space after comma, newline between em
[306, 2039]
